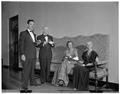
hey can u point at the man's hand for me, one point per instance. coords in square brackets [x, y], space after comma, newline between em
[76, 58]
[51, 42]
[81, 62]
[44, 43]
[23, 58]
[38, 42]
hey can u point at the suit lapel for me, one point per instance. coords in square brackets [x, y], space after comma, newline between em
[35, 37]
[43, 37]
[29, 35]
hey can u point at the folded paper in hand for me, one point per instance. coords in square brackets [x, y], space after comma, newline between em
[76, 58]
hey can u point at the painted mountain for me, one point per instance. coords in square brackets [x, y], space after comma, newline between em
[100, 45]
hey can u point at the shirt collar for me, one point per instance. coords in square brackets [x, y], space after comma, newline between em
[45, 35]
[28, 30]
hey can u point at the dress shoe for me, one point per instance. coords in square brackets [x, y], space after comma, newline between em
[75, 89]
[94, 91]
[42, 82]
[25, 91]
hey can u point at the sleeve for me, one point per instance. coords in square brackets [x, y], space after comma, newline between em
[94, 58]
[64, 56]
[83, 56]
[95, 55]
[21, 43]
[39, 38]
[35, 43]
[76, 53]
[35, 37]
[53, 45]
[51, 38]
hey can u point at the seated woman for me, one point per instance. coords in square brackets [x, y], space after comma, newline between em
[80, 73]
[90, 56]
[61, 74]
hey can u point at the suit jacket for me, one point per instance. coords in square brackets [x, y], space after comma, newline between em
[45, 51]
[26, 45]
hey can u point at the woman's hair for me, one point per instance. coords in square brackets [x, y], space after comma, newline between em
[68, 43]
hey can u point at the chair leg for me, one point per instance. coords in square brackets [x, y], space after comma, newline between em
[106, 83]
[96, 83]
[96, 87]
[107, 86]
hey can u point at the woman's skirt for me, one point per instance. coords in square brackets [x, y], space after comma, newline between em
[80, 78]
[61, 74]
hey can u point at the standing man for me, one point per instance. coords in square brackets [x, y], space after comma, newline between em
[45, 54]
[28, 54]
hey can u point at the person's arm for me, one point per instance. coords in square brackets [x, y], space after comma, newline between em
[83, 56]
[39, 41]
[21, 44]
[83, 59]
[65, 57]
[96, 58]
[76, 55]
[51, 41]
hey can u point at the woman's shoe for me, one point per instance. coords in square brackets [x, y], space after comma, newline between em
[57, 85]
[75, 89]
[61, 83]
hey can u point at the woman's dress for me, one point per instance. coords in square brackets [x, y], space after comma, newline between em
[81, 73]
[61, 74]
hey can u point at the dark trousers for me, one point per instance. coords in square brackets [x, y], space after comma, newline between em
[80, 78]
[45, 69]
[28, 72]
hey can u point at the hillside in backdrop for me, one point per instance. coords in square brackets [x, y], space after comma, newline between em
[100, 45]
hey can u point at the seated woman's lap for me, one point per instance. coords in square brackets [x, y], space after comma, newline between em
[80, 77]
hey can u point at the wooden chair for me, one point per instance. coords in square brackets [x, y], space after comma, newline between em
[98, 72]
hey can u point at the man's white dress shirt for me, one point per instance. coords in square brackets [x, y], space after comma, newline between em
[32, 35]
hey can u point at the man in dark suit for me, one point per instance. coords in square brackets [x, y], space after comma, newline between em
[45, 54]
[28, 54]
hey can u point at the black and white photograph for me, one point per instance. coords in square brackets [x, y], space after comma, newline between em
[59, 47]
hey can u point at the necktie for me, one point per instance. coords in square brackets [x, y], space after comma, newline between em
[32, 32]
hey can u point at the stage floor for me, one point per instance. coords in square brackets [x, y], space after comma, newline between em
[11, 82]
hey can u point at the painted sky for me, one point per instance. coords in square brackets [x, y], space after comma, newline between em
[70, 19]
